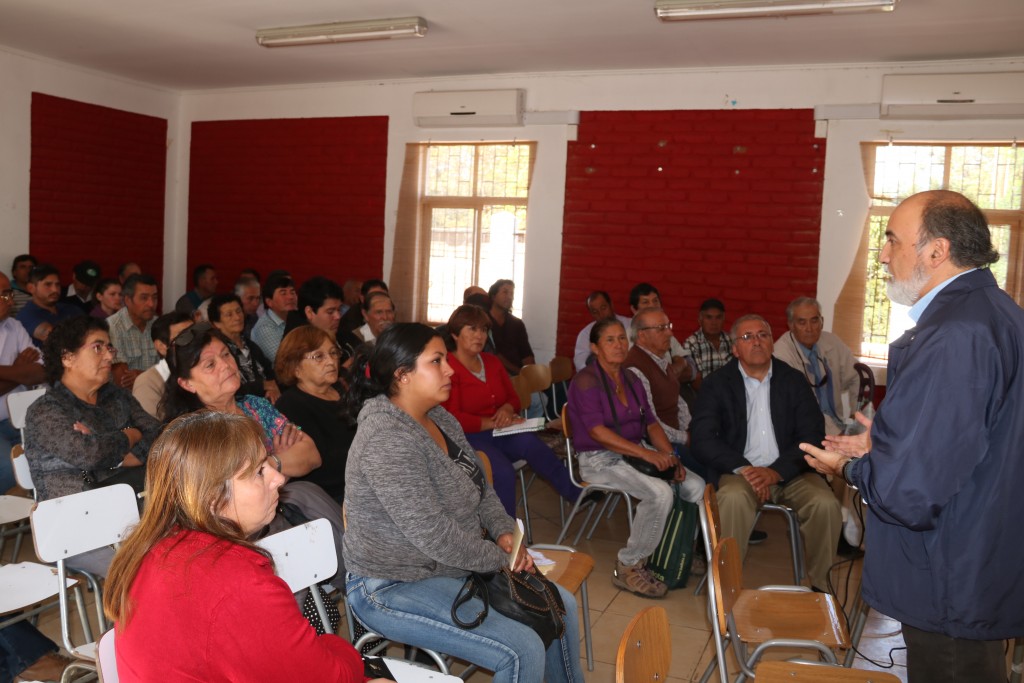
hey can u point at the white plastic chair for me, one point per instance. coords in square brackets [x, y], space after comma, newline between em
[14, 510]
[72, 525]
[22, 473]
[106, 661]
[17, 405]
[304, 556]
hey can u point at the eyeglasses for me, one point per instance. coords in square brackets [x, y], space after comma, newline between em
[659, 328]
[189, 334]
[761, 336]
[319, 357]
[99, 347]
[7, 295]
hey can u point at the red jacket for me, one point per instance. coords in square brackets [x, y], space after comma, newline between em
[472, 400]
[208, 610]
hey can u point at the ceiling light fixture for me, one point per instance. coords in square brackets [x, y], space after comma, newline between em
[342, 32]
[682, 10]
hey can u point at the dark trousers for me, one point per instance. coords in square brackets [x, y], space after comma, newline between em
[935, 658]
[20, 646]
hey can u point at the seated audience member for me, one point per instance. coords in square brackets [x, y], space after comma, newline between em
[710, 345]
[824, 359]
[204, 375]
[21, 270]
[599, 303]
[353, 318]
[645, 295]
[478, 297]
[650, 331]
[350, 294]
[148, 389]
[131, 329]
[45, 309]
[255, 371]
[190, 595]
[749, 420]
[279, 298]
[126, 270]
[84, 428]
[418, 505]
[320, 306]
[483, 399]
[28, 655]
[204, 285]
[83, 282]
[107, 298]
[609, 413]
[19, 369]
[511, 342]
[247, 289]
[379, 313]
[308, 366]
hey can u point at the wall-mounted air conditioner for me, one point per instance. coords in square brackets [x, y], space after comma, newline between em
[468, 108]
[953, 96]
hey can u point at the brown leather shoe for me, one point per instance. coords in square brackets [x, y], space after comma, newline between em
[49, 667]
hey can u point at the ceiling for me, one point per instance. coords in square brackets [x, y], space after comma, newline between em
[203, 44]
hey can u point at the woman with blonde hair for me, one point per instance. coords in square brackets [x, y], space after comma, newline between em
[191, 596]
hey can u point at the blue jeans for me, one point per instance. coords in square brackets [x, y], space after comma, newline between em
[9, 437]
[21, 645]
[418, 613]
[502, 451]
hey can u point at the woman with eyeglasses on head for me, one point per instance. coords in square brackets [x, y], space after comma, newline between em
[85, 428]
[417, 504]
[191, 596]
[204, 375]
[255, 371]
[308, 365]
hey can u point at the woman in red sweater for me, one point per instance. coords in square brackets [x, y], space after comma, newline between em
[192, 598]
[483, 398]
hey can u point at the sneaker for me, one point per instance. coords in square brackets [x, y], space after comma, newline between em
[637, 579]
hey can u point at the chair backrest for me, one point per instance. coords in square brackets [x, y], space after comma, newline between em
[570, 452]
[645, 650]
[106, 661]
[813, 672]
[18, 403]
[714, 530]
[537, 377]
[866, 393]
[75, 524]
[485, 465]
[727, 574]
[303, 555]
[22, 472]
[522, 387]
[561, 369]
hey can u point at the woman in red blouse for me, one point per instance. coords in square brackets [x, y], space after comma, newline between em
[483, 399]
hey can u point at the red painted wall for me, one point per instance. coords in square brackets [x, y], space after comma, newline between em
[97, 186]
[723, 204]
[304, 195]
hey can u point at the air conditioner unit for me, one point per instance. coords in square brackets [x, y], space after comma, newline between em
[468, 108]
[953, 96]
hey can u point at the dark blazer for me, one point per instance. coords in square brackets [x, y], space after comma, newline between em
[718, 432]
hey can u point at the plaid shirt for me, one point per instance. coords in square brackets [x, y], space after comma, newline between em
[709, 358]
[134, 346]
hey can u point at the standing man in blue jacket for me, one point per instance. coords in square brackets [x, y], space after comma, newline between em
[942, 467]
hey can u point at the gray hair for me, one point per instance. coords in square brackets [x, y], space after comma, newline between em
[637, 323]
[800, 301]
[245, 283]
[747, 318]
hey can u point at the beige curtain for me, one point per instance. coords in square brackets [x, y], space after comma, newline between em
[408, 279]
[849, 310]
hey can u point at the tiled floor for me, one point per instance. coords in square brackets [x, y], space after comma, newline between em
[611, 609]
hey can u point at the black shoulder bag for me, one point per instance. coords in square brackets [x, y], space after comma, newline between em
[639, 464]
[528, 598]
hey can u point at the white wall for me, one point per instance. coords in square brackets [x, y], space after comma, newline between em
[751, 88]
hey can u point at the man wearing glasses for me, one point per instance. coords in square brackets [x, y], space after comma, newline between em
[824, 359]
[19, 367]
[749, 421]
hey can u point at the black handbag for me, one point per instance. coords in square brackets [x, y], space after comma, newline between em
[521, 596]
[133, 476]
[639, 464]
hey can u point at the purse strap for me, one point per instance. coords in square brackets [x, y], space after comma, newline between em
[474, 587]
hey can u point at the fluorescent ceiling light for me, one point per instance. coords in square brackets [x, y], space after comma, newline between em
[682, 10]
[343, 32]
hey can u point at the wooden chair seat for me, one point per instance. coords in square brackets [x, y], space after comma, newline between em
[762, 615]
[808, 672]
